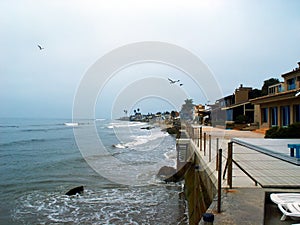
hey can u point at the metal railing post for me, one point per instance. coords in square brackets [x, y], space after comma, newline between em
[219, 179]
[209, 148]
[204, 143]
[200, 138]
[198, 130]
[217, 161]
[229, 164]
[193, 133]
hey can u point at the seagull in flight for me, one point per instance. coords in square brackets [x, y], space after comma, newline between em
[173, 81]
[40, 47]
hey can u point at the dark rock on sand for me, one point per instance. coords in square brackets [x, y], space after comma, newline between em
[75, 191]
[147, 128]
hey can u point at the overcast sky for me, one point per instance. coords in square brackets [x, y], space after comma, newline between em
[241, 42]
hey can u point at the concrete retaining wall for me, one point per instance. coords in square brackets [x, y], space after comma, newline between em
[200, 187]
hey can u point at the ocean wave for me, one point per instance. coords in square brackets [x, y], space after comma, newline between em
[39, 127]
[9, 126]
[119, 146]
[32, 140]
[125, 124]
[172, 154]
[71, 124]
[100, 119]
[105, 206]
[43, 129]
[141, 140]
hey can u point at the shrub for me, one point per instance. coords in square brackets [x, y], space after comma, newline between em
[241, 119]
[271, 132]
[292, 131]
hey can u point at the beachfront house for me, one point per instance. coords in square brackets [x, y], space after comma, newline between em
[218, 116]
[234, 109]
[201, 114]
[281, 107]
[241, 110]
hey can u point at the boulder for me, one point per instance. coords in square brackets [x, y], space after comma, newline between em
[166, 171]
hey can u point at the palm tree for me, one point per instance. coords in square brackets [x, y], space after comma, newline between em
[187, 109]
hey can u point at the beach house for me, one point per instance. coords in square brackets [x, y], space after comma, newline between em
[281, 106]
[235, 108]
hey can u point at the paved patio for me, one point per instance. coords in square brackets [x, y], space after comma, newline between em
[246, 203]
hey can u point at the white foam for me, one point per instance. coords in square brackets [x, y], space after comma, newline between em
[172, 154]
[100, 119]
[139, 140]
[119, 146]
[71, 124]
[126, 124]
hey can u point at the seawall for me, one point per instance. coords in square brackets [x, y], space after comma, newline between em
[201, 179]
[200, 182]
[248, 176]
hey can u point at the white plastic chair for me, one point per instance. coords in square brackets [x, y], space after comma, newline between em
[290, 209]
[284, 198]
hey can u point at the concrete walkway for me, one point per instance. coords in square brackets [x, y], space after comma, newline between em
[239, 206]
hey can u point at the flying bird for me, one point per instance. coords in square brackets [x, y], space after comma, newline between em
[40, 47]
[180, 84]
[173, 81]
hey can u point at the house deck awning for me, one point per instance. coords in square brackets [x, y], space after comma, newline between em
[235, 105]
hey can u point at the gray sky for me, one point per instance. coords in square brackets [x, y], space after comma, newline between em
[242, 42]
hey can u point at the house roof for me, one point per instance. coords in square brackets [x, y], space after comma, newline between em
[281, 96]
[297, 70]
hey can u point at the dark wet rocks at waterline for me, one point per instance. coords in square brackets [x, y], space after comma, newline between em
[165, 172]
[170, 174]
[75, 191]
[174, 131]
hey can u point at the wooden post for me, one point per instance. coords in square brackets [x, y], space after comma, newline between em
[229, 164]
[192, 133]
[217, 159]
[200, 138]
[204, 143]
[198, 130]
[209, 148]
[219, 179]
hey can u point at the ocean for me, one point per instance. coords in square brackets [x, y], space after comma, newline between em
[40, 161]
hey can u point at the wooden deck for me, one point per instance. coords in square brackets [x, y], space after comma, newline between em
[266, 169]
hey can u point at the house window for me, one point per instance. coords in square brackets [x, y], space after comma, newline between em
[297, 113]
[274, 116]
[285, 115]
[264, 115]
[280, 88]
[271, 90]
[291, 83]
[229, 115]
